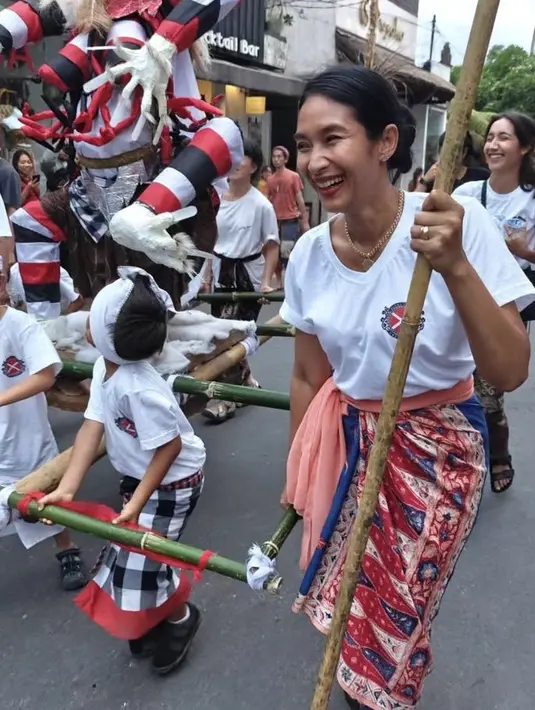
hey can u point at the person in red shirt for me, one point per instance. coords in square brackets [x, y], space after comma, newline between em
[285, 191]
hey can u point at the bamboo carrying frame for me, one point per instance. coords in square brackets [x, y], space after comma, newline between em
[455, 131]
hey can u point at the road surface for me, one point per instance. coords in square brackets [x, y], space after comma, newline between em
[251, 651]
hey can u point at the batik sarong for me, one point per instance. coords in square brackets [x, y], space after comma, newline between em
[427, 507]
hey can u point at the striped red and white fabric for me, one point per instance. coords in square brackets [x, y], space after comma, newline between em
[191, 19]
[70, 67]
[25, 23]
[37, 245]
[215, 150]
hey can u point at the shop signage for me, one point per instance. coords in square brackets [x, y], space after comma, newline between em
[239, 37]
[233, 44]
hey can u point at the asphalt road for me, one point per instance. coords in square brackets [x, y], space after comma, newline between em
[251, 651]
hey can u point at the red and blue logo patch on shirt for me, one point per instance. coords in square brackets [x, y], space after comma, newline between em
[13, 366]
[392, 316]
[126, 425]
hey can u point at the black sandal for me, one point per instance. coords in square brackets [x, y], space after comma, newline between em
[496, 477]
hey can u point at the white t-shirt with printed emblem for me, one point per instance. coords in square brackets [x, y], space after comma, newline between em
[356, 316]
[513, 212]
[26, 438]
[244, 227]
[140, 413]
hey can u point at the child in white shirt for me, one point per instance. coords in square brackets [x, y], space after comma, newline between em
[151, 444]
[29, 364]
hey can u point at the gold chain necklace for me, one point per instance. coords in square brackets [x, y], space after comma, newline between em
[368, 258]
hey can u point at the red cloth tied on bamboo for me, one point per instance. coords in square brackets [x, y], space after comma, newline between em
[105, 514]
[98, 605]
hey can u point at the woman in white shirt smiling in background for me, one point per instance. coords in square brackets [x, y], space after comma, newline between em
[245, 258]
[509, 197]
[345, 291]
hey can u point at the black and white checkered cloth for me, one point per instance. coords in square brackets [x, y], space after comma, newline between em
[89, 215]
[133, 581]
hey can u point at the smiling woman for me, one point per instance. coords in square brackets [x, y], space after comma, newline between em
[345, 293]
[509, 197]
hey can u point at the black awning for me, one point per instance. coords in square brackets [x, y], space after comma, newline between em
[259, 80]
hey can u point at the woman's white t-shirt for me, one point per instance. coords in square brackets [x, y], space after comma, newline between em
[356, 316]
[140, 413]
[513, 212]
[26, 438]
[244, 227]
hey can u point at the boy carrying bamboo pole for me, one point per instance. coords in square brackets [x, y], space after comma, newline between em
[29, 364]
[152, 446]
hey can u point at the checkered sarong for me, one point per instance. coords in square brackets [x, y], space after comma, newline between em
[133, 581]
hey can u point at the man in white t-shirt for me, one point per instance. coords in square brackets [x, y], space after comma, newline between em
[246, 255]
[71, 300]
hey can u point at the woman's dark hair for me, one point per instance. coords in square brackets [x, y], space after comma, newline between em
[252, 150]
[525, 132]
[17, 155]
[141, 327]
[374, 103]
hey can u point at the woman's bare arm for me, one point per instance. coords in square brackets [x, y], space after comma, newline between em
[311, 370]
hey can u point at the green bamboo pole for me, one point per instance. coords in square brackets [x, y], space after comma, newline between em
[213, 390]
[284, 331]
[289, 520]
[152, 543]
[236, 296]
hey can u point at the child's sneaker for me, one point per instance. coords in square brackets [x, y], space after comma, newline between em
[175, 642]
[146, 645]
[72, 570]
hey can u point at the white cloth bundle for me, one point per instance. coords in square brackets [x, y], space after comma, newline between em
[11, 523]
[260, 568]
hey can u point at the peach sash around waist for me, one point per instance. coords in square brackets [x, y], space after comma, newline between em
[318, 452]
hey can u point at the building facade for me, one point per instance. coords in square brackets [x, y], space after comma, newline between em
[426, 91]
[261, 58]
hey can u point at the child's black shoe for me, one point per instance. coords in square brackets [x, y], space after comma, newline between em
[175, 642]
[72, 570]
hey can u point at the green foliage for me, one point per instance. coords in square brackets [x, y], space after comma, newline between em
[507, 83]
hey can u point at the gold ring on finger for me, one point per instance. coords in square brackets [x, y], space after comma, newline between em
[424, 232]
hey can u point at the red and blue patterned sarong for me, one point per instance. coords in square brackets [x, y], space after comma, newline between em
[427, 507]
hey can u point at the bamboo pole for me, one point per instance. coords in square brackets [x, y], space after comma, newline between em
[213, 369]
[47, 477]
[372, 34]
[238, 296]
[214, 390]
[455, 131]
[153, 543]
[284, 331]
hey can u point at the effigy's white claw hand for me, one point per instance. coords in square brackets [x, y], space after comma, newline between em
[150, 68]
[136, 227]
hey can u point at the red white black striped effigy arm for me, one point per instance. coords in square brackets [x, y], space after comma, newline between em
[25, 23]
[189, 20]
[215, 150]
[70, 67]
[37, 245]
